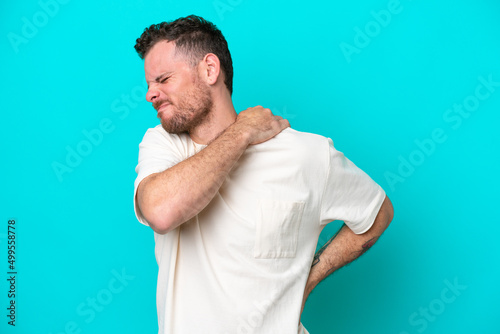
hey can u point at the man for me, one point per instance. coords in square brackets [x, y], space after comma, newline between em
[237, 201]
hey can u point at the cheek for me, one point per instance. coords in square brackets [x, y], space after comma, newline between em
[173, 93]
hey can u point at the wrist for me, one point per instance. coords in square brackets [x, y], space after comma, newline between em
[239, 134]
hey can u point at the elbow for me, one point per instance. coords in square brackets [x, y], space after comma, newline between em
[384, 217]
[160, 218]
[387, 211]
[159, 226]
[390, 210]
[159, 214]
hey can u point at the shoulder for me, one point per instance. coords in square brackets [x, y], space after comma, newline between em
[296, 145]
[158, 143]
[299, 136]
[302, 141]
[157, 136]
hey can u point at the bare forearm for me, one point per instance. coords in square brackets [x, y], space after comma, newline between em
[174, 196]
[177, 194]
[339, 251]
[346, 246]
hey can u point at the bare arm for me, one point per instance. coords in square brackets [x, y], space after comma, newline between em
[174, 196]
[345, 247]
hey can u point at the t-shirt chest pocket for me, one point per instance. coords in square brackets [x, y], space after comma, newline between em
[277, 228]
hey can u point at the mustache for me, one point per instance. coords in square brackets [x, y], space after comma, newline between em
[158, 104]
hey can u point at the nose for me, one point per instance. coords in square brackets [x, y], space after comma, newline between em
[153, 94]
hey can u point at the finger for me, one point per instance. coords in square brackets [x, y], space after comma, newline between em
[284, 123]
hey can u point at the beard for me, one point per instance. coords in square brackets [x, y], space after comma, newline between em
[193, 108]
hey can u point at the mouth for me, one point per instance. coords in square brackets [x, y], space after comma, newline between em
[162, 107]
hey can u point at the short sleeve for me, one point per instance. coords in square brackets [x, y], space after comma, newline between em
[350, 194]
[158, 151]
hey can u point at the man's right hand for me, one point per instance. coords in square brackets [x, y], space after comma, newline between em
[172, 197]
[259, 124]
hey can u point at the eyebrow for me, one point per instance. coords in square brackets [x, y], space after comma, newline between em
[161, 76]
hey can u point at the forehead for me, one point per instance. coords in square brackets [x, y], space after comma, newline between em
[162, 58]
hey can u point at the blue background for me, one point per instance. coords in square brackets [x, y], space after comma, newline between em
[70, 68]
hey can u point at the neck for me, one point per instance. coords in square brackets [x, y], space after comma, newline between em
[220, 118]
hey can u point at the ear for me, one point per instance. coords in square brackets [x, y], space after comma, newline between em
[210, 68]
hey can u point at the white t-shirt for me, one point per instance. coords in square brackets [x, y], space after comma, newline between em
[241, 265]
